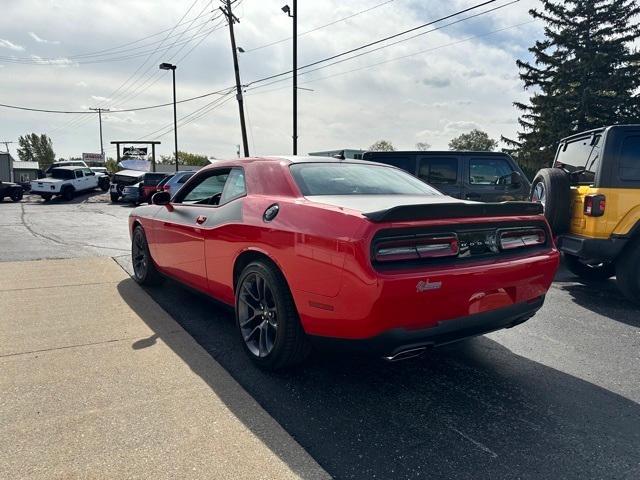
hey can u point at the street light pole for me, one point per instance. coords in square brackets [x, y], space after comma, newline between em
[168, 66]
[292, 13]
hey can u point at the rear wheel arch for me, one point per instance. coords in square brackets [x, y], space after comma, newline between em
[247, 257]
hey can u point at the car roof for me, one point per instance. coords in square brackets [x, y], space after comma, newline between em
[69, 167]
[284, 159]
[437, 152]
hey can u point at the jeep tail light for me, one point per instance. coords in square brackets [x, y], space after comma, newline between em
[415, 248]
[528, 237]
[594, 205]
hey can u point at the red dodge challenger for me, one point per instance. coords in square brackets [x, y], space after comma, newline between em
[327, 251]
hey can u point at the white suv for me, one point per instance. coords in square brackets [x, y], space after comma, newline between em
[65, 182]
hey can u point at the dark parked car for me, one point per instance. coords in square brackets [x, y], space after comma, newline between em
[121, 179]
[11, 190]
[479, 176]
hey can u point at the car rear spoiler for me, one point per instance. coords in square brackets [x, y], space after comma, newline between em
[435, 211]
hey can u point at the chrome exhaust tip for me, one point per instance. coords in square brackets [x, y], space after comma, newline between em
[406, 354]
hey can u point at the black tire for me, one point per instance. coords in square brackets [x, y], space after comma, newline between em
[592, 272]
[16, 195]
[114, 197]
[144, 268]
[289, 343]
[103, 183]
[46, 197]
[628, 271]
[556, 197]
[68, 193]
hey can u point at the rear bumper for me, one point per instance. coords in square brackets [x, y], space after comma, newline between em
[394, 341]
[600, 249]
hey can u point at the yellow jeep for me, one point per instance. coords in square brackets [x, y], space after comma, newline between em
[591, 198]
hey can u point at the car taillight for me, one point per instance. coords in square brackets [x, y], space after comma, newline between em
[594, 205]
[414, 248]
[528, 237]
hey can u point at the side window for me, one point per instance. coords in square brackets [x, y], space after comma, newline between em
[629, 164]
[79, 174]
[206, 191]
[408, 164]
[235, 186]
[88, 172]
[439, 171]
[488, 171]
[583, 155]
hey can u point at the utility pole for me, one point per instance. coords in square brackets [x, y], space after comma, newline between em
[100, 110]
[6, 146]
[231, 19]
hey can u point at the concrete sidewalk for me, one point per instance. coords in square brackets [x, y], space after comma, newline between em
[97, 381]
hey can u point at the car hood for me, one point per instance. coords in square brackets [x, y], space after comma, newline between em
[371, 203]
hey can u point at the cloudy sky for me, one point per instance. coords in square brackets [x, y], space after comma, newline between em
[74, 54]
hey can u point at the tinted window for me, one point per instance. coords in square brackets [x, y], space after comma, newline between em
[234, 187]
[153, 179]
[439, 171]
[165, 180]
[62, 174]
[582, 155]
[356, 179]
[408, 164]
[629, 168]
[207, 188]
[184, 178]
[488, 171]
[79, 174]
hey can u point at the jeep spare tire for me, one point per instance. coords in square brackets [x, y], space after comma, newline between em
[551, 187]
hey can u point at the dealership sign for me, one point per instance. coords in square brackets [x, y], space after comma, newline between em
[134, 151]
[93, 157]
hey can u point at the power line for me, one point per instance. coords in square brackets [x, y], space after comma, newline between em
[390, 37]
[249, 50]
[270, 77]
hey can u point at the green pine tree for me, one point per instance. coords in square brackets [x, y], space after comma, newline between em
[585, 74]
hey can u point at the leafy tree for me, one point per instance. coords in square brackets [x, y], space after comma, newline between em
[422, 146]
[382, 146]
[36, 148]
[111, 165]
[186, 158]
[584, 75]
[475, 140]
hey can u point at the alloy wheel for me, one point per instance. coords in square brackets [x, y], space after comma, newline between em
[257, 315]
[139, 256]
[539, 193]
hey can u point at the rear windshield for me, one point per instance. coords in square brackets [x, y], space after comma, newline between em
[356, 179]
[153, 178]
[185, 177]
[62, 174]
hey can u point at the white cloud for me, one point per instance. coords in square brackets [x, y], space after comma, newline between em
[10, 45]
[466, 84]
[58, 62]
[42, 40]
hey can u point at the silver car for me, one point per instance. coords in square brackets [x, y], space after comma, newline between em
[175, 182]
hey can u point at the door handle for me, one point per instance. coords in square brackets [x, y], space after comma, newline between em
[201, 219]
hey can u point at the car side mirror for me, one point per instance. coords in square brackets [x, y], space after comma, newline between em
[161, 198]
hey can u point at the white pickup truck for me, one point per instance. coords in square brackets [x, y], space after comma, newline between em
[65, 182]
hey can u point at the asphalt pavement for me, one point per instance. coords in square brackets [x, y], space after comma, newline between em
[557, 397]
